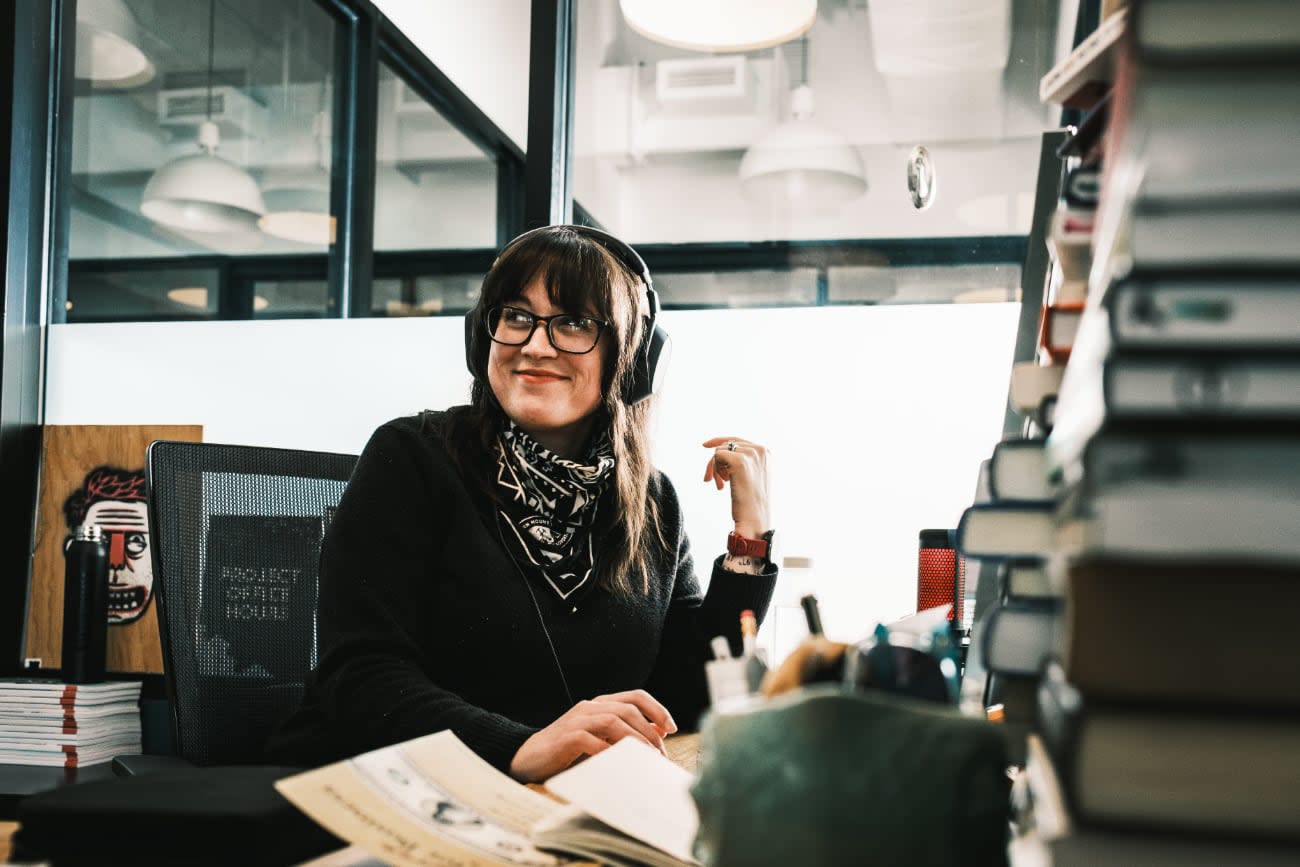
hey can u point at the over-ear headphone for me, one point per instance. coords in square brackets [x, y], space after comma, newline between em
[646, 369]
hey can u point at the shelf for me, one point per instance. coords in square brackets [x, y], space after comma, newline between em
[1083, 78]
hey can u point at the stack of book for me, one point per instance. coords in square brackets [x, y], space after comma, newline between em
[49, 723]
[1168, 726]
[1009, 531]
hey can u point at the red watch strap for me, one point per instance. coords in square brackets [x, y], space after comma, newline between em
[742, 546]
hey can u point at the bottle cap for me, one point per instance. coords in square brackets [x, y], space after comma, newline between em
[88, 533]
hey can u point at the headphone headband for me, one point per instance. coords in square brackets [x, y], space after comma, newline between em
[618, 248]
[644, 378]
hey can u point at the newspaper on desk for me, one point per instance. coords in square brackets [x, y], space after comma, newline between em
[433, 802]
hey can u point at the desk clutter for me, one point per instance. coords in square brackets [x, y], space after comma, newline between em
[826, 775]
[852, 753]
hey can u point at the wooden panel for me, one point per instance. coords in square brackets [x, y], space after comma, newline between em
[7, 830]
[96, 473]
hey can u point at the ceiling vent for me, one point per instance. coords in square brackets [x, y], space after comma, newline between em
[712, 81]
[232, 110]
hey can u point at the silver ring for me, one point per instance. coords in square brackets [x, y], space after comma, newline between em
[731, 445]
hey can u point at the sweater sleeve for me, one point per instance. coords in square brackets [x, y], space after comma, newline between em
[371, 685]
[678, 680]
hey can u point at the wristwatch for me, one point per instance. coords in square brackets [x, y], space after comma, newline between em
[764, 548]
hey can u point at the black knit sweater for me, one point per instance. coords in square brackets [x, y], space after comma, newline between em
[426, 623]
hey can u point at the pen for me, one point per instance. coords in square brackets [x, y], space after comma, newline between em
[812, 615]
[748, 632]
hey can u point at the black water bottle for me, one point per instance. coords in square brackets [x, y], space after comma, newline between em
[85, 605]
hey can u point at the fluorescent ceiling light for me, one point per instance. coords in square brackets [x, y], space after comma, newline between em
[720, 25]
[802, 162]
[108, 45]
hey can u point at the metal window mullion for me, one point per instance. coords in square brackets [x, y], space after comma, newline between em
[36, 85]
[352, 185]
[548, 193]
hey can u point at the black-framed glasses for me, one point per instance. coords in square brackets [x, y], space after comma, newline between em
[568, 332]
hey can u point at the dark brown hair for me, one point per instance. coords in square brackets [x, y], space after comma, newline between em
[580, 274]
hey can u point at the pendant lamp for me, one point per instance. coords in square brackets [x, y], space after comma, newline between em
[719, 25]
[298, 197]
[203, 192]
[298, 207]
[802, 163]
[108, 45]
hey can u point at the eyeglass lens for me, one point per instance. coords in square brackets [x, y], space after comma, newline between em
[568, 332]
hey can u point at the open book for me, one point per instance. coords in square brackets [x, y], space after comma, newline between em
[433, 801]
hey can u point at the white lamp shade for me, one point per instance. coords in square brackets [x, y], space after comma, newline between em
[299, 213]
[108, 51]
[203, 193]
[802, 162]
[720, 25]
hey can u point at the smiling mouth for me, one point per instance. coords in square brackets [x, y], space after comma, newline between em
[540, 375]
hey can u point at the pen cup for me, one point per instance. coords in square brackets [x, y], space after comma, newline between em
[728, 679]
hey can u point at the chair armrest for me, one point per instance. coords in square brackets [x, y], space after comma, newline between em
[139, 764]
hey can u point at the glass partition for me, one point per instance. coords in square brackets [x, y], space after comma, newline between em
[199, 128]
[434, 189]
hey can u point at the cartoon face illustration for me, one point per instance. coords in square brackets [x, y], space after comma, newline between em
[130, 568]
[113, 499]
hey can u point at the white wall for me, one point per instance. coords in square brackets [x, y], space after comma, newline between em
[878, 417]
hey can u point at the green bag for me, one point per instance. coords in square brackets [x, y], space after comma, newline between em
[826, 775]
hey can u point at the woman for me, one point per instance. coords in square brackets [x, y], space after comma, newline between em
[515, 570]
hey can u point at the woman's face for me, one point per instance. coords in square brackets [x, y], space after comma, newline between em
[552, 395]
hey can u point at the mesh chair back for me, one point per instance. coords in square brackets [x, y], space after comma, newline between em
[235, 533]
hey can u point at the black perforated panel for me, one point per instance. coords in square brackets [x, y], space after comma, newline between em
[235, 533]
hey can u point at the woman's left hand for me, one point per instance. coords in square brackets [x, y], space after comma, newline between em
[742, 465]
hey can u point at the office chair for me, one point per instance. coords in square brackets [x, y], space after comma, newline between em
[235, 532]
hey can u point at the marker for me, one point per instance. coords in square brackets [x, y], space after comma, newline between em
[748, 631]
[812, 614]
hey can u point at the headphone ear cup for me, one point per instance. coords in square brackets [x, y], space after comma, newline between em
[469, 343]
[647, 368]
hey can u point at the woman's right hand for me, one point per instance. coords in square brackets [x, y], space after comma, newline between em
[589, 727]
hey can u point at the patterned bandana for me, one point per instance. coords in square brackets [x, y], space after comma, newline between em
[552, 505]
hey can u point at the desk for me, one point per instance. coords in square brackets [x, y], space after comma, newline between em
[19, 781]
[684, 750]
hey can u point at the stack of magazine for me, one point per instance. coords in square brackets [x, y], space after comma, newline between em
[50, 723]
